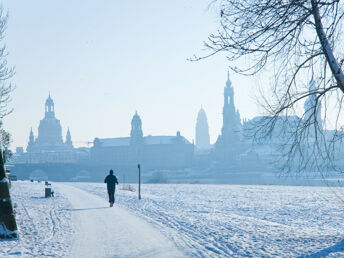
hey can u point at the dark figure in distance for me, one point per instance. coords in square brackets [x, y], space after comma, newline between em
[111, 182]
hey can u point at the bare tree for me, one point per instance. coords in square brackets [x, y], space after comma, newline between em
[8, 225]
[6, 72]
[295, 40]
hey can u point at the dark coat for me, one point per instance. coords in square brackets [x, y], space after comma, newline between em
[111, 181]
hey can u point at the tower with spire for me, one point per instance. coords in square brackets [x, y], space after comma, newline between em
[202, 131]
[136, 134]
[228, 143]
[31, 141]
[69, 142]
[49, 108]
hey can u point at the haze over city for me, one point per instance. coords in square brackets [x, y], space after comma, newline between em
[133, 134]
[102, 61]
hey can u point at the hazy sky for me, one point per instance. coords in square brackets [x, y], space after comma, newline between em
[103, 60]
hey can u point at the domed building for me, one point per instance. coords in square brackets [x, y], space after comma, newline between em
[154, 151]
[49, 133]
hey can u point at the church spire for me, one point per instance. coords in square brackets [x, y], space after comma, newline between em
[229, 82]
[228, 92]
[31, 137]
[69, 138]
[31, 142]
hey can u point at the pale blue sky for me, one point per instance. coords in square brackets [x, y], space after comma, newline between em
[103, 60]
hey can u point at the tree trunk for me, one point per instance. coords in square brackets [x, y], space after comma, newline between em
[325, 45]
[8, 225]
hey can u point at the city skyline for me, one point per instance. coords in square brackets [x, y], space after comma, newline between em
[102, 66]
[34, 132]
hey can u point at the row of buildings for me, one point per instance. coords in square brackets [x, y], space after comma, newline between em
[154, 151]
[163, 157]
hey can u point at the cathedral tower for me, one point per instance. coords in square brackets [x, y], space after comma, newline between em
[231, 117]
[228, 143]
[202, 130]
[136, 134]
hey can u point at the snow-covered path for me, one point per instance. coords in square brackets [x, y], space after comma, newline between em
[200, 220]
[101, 231]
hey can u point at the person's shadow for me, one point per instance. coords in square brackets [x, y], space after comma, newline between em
[86, 209]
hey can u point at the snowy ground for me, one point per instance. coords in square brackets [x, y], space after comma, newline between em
[44, 225]
[178, 220]
[101, 231]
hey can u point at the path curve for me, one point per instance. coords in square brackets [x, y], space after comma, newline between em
[101, 231]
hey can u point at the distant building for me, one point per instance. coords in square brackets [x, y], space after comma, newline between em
[234, 158]
[49, 133]
[202, 131]
[310, 103]
[153, 151]
[284, 127]
[276, 135]
[49, 147]
[227, 146]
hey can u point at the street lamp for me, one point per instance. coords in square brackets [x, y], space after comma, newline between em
[139, 167]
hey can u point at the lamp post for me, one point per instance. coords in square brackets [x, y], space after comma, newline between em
[139, 167]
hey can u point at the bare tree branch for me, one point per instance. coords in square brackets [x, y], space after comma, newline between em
[294, 40]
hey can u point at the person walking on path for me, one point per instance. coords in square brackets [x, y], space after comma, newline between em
[111, 181]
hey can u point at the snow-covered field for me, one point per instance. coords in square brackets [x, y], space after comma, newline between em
[44, 225]
[178, 220]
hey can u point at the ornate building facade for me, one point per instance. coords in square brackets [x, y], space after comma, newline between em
[153, 151]
[49, 146]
